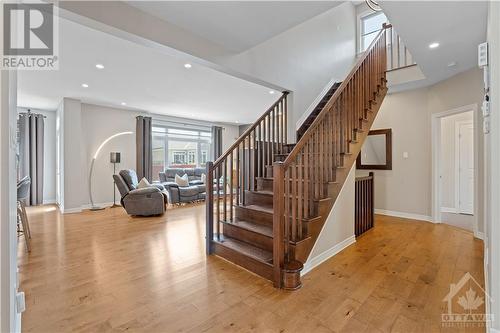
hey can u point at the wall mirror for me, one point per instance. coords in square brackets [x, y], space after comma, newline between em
[376, 153]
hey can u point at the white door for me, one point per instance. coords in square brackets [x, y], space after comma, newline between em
[466, 168]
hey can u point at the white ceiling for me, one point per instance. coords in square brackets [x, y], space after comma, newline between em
[236, 26]
[458, 26]
[141, 77]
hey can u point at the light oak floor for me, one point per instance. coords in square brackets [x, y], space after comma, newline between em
[105, 271]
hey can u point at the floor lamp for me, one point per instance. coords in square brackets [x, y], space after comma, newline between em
[92, 205]
[114, 157]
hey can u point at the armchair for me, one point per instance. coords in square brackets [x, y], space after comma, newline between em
[141, 202]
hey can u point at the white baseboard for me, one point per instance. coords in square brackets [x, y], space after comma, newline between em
[315, 103]
[86, 206]
[449, 210]
[404, 215]
[479, 234]
[319, 259]
[72, 210]
[49, 201]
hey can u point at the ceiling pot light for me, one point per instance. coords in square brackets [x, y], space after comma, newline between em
[99, 66]
[433, 45]
[272, 92]
[187, 65]
[84, 85]
[123, 103]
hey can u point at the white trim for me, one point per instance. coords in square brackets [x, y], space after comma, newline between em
[405, 215]
[449, 210]
[479, 235]
[71, 210]
[85, 207]
[322, 257]
[458, 124]
[436, 152]
[315, 103]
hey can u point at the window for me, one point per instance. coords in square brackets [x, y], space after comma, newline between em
[175, 147]
[370, 26]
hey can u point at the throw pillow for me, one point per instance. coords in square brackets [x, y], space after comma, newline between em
[182, 181]
[143, 183]
[203, 178]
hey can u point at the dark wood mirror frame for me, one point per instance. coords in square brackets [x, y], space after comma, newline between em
[388, 152]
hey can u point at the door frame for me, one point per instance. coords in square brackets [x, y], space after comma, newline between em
[436, 163]
[457, 193]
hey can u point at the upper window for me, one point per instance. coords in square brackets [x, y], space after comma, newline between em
[370, 26]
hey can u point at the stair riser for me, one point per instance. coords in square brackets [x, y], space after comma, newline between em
[254, 215]
[256, 198]
[254, 238]
[264, 184]
[253, 265]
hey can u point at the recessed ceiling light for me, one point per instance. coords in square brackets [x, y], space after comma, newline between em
[99, 66]
[187, 65]
[237, 122]
[433, 45]
[85, 85]
[123, 103]
[272, 92]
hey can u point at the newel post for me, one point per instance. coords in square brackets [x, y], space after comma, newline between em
[209, 208]
[278, 227]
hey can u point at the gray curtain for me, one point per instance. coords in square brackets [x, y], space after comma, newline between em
[217, 141]
[144, 148]
[31, 127]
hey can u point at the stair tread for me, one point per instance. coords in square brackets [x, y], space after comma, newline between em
[245, 248]
[252, 226]
[265, 209]
[264, 192]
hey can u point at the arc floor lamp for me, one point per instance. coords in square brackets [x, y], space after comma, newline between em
[92, 205]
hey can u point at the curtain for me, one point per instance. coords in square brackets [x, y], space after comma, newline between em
[31, 127]
[144, 148]
[217, 141]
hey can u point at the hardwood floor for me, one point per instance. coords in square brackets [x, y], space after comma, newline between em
[105, 271]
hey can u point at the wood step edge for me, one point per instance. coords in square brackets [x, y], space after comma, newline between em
[256, 228]
[246, 249]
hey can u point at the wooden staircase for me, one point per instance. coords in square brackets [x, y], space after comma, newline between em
[267, 199]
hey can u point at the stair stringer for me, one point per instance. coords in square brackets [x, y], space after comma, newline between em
[303, 252]
[338, 231]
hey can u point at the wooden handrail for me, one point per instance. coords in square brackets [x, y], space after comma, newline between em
[235, 173]
[249, 130]
[303, 179]
[338, 92]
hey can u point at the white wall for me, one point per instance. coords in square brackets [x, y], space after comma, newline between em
[407, 187]
[10, 319]
[338, 231]
[49, 158]
[448, 157]
[99, 123]
[492, 161]
[70, 182]
[305, 58]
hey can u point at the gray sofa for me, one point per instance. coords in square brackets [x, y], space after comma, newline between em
[140, 202]
[183, 194]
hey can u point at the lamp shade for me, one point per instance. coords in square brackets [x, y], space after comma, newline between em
[114, 157]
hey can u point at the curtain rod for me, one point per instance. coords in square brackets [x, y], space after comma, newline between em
[30, 113]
